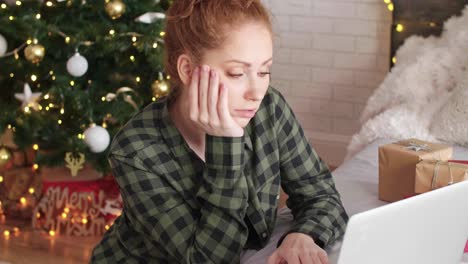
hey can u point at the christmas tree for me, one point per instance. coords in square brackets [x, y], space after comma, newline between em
[72, 72]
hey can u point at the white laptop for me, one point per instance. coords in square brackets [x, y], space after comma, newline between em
[430, 228]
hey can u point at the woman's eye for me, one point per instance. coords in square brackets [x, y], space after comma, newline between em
[235, 75]
[263, 74]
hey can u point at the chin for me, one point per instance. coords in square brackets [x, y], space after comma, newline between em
[242, 122]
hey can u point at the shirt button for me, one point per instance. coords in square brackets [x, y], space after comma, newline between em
[277, 197]
[264, 235]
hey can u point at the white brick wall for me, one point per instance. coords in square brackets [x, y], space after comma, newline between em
[330, 55]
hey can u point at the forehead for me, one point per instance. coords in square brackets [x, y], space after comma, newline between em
[250, 42]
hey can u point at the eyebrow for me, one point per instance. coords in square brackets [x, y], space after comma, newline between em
[246, 63]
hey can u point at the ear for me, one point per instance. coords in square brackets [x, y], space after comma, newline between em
[185, 68]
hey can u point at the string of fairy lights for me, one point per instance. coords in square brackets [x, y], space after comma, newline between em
[399, 27]
[34, 52]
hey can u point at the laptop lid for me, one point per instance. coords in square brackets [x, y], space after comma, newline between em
[430, 228]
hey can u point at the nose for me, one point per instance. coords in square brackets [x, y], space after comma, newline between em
[254, 92]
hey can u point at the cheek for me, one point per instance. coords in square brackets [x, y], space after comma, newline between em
[234, 93]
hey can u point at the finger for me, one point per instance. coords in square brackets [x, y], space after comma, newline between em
[223, 107]
[193, 93]
[213, 95]
[292, 258]
[323, 257]
[203, 94]
[314, 258]
[274, 259]
[306, 258]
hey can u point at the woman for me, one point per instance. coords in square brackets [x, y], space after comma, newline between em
[200, 170]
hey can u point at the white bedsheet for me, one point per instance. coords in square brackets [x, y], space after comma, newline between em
[357, 181]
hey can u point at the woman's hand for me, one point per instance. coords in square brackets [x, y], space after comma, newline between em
[298, 248]
[209, 108]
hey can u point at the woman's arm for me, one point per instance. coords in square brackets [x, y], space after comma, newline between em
[313, 198]
[216, 233]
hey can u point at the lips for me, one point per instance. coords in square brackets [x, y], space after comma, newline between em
[246, 113]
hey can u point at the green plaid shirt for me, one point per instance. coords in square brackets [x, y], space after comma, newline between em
[179, 209]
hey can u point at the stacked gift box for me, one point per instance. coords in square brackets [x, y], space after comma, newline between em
[411, 167]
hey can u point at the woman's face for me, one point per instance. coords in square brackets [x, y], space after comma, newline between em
[243, 64]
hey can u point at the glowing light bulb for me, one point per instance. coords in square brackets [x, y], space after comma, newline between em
[391, 7]
[400, 28]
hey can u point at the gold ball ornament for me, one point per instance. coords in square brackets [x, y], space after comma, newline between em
[34, 53]
[160, 88]
[115, 8]
[5, 155]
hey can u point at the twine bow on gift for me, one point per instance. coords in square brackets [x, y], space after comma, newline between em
[436, 174]
[417, 147]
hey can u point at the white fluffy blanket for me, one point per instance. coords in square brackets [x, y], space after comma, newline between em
[425, 75]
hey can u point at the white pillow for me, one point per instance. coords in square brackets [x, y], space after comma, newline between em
[450, 124]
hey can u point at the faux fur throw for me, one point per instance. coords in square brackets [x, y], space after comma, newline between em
[420, 84]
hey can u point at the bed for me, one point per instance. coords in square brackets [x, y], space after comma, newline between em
[423, 97]
[357, 181]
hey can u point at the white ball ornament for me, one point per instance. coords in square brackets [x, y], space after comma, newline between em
[3, 45]
[77, 65]
[97, 138]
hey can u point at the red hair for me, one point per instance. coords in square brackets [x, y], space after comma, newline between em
[195, 26]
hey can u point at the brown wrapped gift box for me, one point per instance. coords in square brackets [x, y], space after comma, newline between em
[432, 174]
[397, 166]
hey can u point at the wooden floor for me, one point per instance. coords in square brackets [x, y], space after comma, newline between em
[34, 246]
